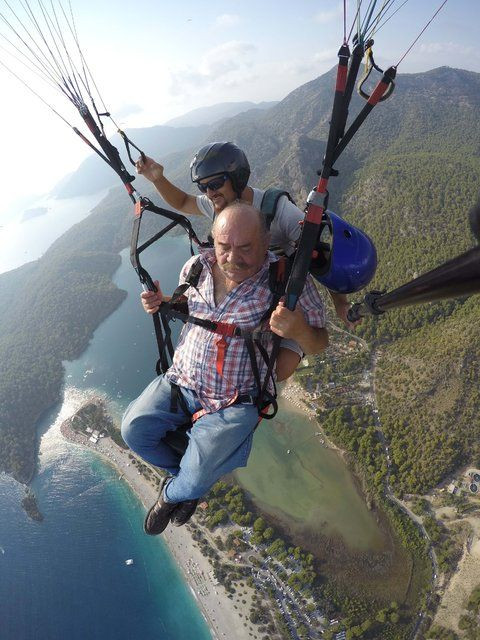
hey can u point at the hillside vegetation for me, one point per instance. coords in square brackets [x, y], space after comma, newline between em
[409, 179]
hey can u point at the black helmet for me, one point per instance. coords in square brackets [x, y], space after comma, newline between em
[221, 157]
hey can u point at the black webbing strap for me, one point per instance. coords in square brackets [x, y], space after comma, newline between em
[317, 200]
[265, 398]
[128, 143]
[160, 323]
[177, 399]
[107, 147]
[269, 203]
[382, 91]
[353, 68]
[254, 364]
[164, 343]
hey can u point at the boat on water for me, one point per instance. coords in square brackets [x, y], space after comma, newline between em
[129, 561]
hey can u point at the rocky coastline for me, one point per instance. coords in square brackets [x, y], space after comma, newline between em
[30, 506]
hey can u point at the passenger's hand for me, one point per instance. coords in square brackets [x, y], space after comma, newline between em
[286, 323]
[151, 300]
[342, 308]
[150, 169]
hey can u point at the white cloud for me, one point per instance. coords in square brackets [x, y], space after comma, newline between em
[433, 48]
[315, 65]
[327, 55]
[227, 20]
[226, 57]
[324, 17]
[223, 65]
[125, 110]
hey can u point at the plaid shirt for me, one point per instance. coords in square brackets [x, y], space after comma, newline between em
[194, 362]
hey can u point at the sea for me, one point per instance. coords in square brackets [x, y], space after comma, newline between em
[66, 577]
[24, 237]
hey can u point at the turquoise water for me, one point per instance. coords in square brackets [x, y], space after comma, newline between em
[121, 358]
[66, 576]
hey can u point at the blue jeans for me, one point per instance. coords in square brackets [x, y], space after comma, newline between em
[217, 443]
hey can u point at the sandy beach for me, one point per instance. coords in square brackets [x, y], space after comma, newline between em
[220, 612]
[296, 396]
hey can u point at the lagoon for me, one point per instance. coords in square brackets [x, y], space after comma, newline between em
[311, 487]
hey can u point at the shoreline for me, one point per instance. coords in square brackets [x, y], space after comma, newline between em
[297, 397]
[216, 608]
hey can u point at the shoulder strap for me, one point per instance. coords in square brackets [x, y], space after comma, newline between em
[191, 280]
[193, 276]
[163, 333]
[278, 273]
[270, 201]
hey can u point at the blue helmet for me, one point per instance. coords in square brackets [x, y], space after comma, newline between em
[347, 258]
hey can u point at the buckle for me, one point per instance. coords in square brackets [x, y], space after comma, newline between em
[245, 398]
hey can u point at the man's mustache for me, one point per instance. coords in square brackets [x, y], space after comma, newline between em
[234, 267]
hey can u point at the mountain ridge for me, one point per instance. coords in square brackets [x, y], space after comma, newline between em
[214, 113]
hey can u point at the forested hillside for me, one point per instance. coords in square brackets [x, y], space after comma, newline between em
[50, 309]
[409, 178]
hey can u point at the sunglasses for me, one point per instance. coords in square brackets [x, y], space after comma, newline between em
[213, 185]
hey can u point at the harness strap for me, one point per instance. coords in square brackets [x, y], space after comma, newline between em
[164, 342]
[175, 308]
[267, 399]
[221, 345]
[174, 392]
[269, 203]
[177, 399]
[244, 398]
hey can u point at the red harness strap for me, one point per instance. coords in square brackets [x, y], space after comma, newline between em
[201, 412]
[226, 329]
[222, 345]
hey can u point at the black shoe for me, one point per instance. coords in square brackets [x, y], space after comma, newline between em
[183, 512]
[159, 515]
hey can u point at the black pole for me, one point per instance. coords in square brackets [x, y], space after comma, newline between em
[458, 277]
[453, 279]
[475, 222]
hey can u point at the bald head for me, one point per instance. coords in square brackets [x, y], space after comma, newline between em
[241, 240]
[242, 215]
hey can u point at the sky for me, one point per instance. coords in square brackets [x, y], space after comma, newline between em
[153, 60]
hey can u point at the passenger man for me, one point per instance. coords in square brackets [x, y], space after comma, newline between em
[233, 287]
[221, 172]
